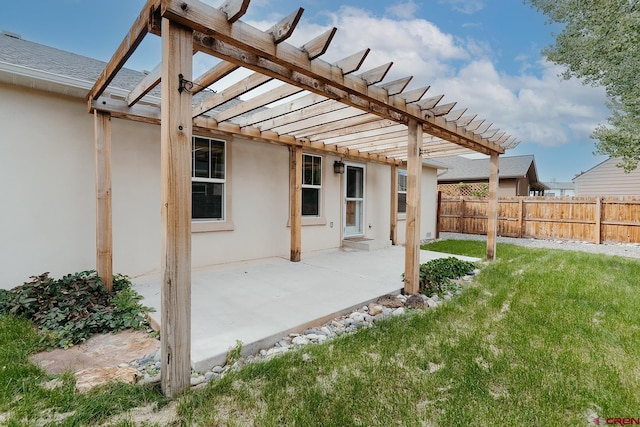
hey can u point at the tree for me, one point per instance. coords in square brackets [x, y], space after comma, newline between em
[600, 44]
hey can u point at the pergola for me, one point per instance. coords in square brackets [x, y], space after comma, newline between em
[322, 107]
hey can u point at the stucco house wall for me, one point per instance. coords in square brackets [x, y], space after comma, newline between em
[47, 222]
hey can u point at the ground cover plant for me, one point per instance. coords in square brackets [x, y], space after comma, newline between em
[48, 312]
[544, 337]
[436, 275]
[69, 310]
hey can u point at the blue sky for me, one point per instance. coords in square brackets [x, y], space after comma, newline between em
[484, 54]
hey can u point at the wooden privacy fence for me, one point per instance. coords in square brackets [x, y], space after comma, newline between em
[592, 219]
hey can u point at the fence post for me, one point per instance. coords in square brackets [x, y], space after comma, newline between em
[461, 220]
[520, 216]
[598, 226]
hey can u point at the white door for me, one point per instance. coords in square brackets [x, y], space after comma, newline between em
[354, 200]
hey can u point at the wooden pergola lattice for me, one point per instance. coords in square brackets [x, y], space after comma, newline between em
[323, 107]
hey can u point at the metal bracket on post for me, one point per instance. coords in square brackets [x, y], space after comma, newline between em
[184, 85]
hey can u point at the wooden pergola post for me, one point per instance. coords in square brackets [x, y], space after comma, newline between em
[492, 207]
[176, 130]
[295, 194]
[414, 179]
[394, 206]
[104, 244]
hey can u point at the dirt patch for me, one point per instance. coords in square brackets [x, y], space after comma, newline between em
[99, 351]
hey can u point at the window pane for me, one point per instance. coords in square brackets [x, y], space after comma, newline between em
[307, 170]
[201, 158]
[311, 170]
[402, 202]
[310, 202]
[354, 182]
[217, 159]
[402, 181]
[317, 171]
[207, 200]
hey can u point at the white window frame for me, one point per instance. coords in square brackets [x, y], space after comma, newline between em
[199, 225]
[315, 187]
[401, 215]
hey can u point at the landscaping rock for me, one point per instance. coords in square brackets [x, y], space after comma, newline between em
[390, 301]
[414, 301]
[375, 309]
[300, 340]
[86, 379]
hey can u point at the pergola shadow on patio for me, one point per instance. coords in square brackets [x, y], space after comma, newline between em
[260, 302]
[321, 107]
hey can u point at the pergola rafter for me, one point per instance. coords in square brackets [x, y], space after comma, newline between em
[351, 116]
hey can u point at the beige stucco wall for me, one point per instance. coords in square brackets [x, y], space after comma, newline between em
[47, 215]
[47, 220]
[429, 207]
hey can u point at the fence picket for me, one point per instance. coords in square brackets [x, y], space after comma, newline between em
[593, 219]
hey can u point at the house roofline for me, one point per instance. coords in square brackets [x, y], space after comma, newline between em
[51, 82]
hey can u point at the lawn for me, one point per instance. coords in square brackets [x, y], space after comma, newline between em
[543, 338]
[546, 338]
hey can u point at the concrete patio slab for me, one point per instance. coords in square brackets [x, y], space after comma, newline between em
[261, 301]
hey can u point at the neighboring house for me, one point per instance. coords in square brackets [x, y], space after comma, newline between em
[559, 189]
[240, 187]
[606, 179]
[517, 175]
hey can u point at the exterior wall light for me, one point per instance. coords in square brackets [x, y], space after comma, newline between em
[338, 166]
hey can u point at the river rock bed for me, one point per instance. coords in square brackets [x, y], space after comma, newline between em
[385, 307]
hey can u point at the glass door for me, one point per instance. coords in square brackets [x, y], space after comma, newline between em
[354, 201]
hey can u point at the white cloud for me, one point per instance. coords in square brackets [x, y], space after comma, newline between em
[535, 105]
[543, 110]
[465, 6]
[403, 10]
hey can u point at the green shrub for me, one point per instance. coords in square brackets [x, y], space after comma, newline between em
[436, 275]
[69, 310]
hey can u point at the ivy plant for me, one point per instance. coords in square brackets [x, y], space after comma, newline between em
[69, 310]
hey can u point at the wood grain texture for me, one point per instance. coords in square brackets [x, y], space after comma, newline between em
[492, 208]
[295, 194]
[414, 180]
[104, 245]
[132, 40]
[176, 131]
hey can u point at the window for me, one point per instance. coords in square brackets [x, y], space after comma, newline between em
[208, 179]
[402, 191]
[311, 185]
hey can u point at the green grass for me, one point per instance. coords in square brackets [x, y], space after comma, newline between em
[25, 401]
[545, 338]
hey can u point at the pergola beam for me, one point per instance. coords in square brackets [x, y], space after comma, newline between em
[217, 72]
[281, 92]
[255, 49]
[151, 115]
[133, 39]
[147, 84]
[243, 86]
[353, 130]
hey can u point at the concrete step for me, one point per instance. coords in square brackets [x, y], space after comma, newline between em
[365, 244]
